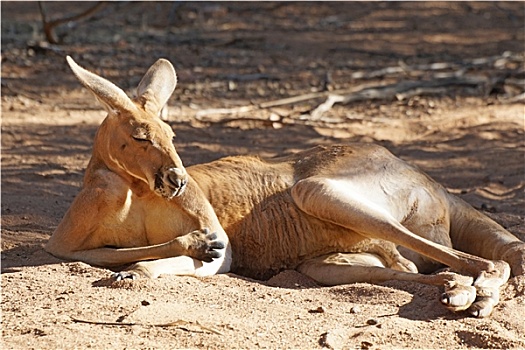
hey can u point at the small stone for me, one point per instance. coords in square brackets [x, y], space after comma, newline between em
[366, 345]
[319, 310]
[355, 309]
[372, 322]
[333, 339]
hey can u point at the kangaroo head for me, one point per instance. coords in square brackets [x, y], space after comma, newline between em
[133, 141]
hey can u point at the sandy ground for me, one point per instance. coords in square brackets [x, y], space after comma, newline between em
[469, 139]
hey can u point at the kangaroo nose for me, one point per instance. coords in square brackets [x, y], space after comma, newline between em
[177, 177]
[176, 171]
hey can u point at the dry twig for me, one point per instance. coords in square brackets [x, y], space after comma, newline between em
[177, 323]
[399, 91]
[49, 26]
[403, 68]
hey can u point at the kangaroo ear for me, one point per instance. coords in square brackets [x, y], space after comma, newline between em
[110, 95]
[156, 86]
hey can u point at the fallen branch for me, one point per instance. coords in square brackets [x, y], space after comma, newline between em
[233, 110]
[399, 91]
[439, 83]
[248, 77]
[49, 26]
[177, 323]
[402, 67]
[518, 98]
[264, 105]
[105, 323]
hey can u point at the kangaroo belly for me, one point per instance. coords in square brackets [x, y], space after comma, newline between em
[277, 235]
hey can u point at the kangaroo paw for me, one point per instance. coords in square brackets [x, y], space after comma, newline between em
[458, 297]
[487, 289]
[485, 302]
[203, 245]
[495, 278]
[123, 275]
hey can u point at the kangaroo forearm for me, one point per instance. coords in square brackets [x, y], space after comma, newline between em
[118, 256]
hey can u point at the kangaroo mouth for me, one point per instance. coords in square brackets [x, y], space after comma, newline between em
[170, 183]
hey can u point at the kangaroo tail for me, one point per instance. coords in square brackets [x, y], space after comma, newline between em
[477, 234]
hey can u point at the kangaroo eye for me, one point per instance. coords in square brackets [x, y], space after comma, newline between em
[140, 134]
[140, 139]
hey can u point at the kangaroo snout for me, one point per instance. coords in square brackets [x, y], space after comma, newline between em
[171, 182]
[176, 177]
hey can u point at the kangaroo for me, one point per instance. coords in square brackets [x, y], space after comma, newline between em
[339, 214]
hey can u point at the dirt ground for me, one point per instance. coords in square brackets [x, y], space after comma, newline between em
[471, 139]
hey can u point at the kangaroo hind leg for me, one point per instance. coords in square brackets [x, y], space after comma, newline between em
[347, 268]
[341, 202]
